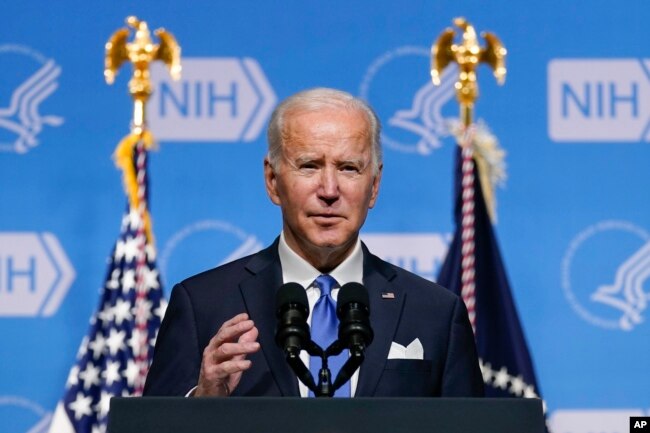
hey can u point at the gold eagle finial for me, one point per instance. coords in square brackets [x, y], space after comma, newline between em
[142, 50]
[467, 54]
[141, 53]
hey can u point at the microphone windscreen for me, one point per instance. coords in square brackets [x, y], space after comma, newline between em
[291, 293]
[353, 292]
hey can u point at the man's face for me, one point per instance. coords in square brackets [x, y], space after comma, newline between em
[324, 181]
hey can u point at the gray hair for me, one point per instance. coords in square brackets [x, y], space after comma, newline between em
[315, 100]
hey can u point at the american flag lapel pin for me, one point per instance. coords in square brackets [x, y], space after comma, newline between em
[387, 295]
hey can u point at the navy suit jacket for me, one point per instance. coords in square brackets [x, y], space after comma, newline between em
[419, 309]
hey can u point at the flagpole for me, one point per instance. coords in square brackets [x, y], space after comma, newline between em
[473, 267]
[131, 152]
[141, 53]
[468, 55]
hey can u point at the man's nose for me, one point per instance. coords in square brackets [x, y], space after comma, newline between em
[329, 184]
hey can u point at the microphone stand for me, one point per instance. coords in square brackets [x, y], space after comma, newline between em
[350, 366]
[303, 373]
[325, 387]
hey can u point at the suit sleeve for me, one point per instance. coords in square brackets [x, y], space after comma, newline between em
[177, 357]
[462, 376]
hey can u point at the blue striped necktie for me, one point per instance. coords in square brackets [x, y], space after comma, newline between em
[324, 331]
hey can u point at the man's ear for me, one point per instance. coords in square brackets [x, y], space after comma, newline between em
[375, 187]
[270, 181]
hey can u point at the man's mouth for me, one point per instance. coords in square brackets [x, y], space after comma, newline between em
[326, 216]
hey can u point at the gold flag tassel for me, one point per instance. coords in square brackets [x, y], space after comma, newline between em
[124, 159]
[489, 157]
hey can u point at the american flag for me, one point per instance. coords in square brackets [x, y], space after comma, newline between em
[474, 270]
[114, 357]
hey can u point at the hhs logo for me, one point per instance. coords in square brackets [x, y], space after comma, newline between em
[30, 79]
[599, 100]
[606, 274]
[420, 253]
[217, 99]
[414, 113]
[203, 245]
[35, 274]
[20, 415]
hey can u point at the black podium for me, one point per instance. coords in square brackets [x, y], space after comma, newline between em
[309, 415]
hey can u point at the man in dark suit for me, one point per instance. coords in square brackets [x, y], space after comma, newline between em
[323, 169]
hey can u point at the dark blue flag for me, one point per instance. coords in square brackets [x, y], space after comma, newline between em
[474, 270]
[114, 357]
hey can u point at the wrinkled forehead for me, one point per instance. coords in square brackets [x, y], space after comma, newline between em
[328, 124]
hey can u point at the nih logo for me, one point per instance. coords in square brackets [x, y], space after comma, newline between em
[599, 421]
[35, 274]
[217, 99]
[420, 253]
[599, 100]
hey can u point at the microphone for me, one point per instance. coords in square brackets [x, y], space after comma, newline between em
[353, 312]
[355, 332]
[292, 332]
[292, 310]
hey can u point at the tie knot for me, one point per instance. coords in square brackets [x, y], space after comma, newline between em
[326, 283]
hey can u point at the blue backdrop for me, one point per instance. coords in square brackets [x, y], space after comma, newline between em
[574, 216]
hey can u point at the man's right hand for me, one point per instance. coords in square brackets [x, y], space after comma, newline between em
[224, 358]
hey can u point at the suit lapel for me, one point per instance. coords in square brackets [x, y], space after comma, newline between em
[259, 292]
[385, 312]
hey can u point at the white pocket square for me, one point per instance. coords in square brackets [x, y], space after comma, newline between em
[412, 351]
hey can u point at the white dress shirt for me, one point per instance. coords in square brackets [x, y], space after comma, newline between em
[298, 270]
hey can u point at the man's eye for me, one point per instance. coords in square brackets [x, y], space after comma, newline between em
[350, 169]
[308, 166]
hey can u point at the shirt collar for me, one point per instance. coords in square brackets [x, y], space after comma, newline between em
[296, 269]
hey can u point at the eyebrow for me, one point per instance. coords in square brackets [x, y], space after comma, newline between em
[354, 161]
[302, 159]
